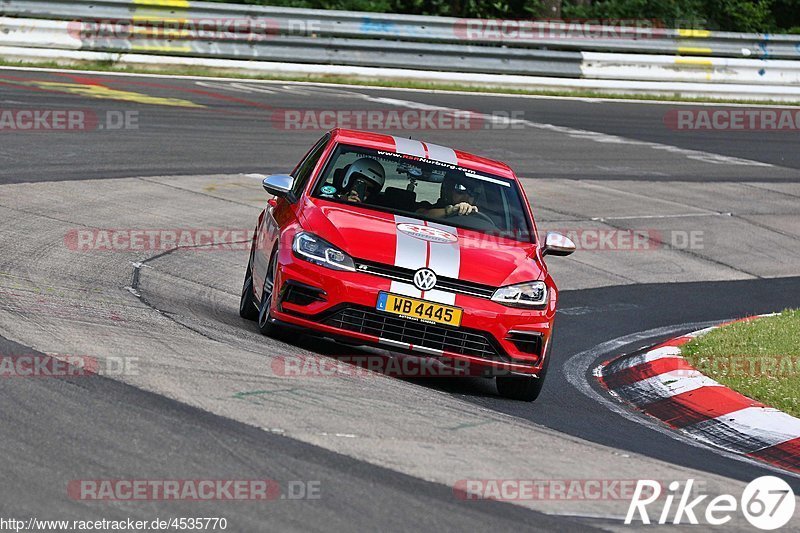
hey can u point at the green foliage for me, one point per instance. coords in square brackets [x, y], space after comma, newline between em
[670, 12]
[445, 8]
[728, 15]
[787, 14]
[741, 15]
[725, 15]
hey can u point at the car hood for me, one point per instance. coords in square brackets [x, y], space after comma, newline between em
[412, 243]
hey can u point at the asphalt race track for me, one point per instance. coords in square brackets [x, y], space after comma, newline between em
[203, 400]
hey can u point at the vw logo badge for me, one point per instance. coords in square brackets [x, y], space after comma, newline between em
[424, 279]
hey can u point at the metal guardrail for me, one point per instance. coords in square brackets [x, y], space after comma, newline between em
[400, 46]
[421, 29]
[671, 69]
[37, 33]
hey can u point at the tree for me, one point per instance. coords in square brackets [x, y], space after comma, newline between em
[551, 9]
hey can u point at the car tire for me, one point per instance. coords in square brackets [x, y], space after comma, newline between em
[524, 388]
[265, 325]
[247, 303]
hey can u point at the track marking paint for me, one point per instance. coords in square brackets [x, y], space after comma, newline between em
[102, 92]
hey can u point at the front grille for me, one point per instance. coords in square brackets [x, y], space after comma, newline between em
[442, 283]
[437, 337]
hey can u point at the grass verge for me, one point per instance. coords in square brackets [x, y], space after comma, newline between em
[758, 358]
[110, 66]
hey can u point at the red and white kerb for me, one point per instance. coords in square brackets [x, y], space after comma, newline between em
[662, 384]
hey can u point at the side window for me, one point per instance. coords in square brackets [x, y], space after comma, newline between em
[306, 166]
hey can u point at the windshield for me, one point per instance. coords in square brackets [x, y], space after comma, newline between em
[425, 189]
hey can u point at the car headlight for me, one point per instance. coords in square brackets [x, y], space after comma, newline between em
[530, 294]
[320, 252]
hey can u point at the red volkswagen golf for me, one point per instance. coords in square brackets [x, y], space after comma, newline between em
[414, 247]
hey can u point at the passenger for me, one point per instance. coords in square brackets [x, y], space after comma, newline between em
[364, 180]
[456, 198]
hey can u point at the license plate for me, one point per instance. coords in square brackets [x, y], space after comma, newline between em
[419, 309]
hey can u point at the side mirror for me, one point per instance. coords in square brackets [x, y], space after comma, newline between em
[278, 184]
[557, 244]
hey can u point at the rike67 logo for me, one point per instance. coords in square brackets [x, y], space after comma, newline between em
[767, 503]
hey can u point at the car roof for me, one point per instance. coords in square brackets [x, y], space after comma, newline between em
[391, 143]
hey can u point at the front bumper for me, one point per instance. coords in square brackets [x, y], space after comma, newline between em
[516, 340]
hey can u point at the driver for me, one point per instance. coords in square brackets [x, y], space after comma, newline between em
[364, 179]
[456, 197]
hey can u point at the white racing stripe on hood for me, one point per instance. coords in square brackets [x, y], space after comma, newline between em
[409, 146]
[426, 150]
[445, 261]
[441, 153]
[410, 252]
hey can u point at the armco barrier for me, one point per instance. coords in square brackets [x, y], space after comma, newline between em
[725, 91]
[644, 58]
[690, 69]
[644, 37]
[358, 52]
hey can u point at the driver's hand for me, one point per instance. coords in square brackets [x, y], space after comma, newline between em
[352, 196]
[462, 209]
